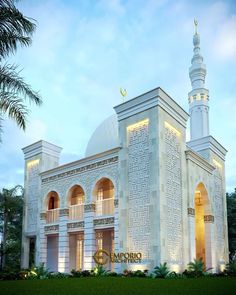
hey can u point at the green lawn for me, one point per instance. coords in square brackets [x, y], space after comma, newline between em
[123, 286]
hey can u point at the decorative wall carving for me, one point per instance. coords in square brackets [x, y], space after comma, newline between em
[139, 228]
[75, 224]
[89, 207]
[32, 171]
[116, 203]
[173, 195]
[104, 221]
[86, 179]
[191, 212]
[81, 169]
[43, 215]
[209, 218]
[49, 228]
[64, 212]
[219, 213]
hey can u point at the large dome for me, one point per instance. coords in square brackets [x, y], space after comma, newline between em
[104, 138]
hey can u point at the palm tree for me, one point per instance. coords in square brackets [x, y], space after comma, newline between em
[11, 210]
[162, 271]
[15, 29]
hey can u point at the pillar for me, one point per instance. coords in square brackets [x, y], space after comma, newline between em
[210, 243]
[116, 234]
[89, 236]
[25, 252]
[192, 242]
[63, 244]
[43, 240]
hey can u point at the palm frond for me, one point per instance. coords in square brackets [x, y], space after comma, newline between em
[10, 81]
[13, 106]
[13, 23]
[10, 40]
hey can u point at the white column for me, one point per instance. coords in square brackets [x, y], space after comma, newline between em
[192, 242]
[25, 252]
[89, 236]
[116, 234]
[210, 243]
[43, 240]
[63, 244]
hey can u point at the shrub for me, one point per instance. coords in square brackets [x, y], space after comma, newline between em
[10, 275]
[135, 273]
[59, 275]
[174, 275]
[99, 271]
[38, 272]
[161, 271]
[196, 269]
[81, 273]
[111, 274]
[231, 268]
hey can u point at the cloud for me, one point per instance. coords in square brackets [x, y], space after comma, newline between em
[225, 42]
[83, 51]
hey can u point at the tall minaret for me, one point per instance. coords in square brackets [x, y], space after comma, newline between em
[198, 97]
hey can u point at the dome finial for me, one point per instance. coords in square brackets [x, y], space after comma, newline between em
[195, 26]
[123, 93]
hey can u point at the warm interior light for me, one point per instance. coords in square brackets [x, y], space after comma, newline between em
[138, 124]
[32, 163]
[169, 126]
[199, 226]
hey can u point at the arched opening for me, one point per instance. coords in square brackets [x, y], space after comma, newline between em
[53, 205]
[103, 195]
[202, 233]
[76, 202]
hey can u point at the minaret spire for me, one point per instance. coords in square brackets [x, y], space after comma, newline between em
[199, 95]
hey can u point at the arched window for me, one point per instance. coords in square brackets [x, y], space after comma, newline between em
[76, 203]
[202, 226]
[53, 205]
[76, 195]
[53, 200]
[103, 195]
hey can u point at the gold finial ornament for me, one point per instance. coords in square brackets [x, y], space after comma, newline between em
[123, 92]
[195, 25]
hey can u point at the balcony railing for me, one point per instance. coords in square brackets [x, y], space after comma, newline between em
[105, 207]
[52, 215]
[76, 212]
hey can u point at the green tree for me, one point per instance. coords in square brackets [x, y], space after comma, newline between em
[231, 211]
[11, 214]
[15, 30]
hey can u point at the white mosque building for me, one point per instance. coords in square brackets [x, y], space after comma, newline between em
[141, 191]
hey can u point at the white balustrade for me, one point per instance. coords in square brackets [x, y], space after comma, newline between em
[76, 212]
[52, 215]
[105, 207]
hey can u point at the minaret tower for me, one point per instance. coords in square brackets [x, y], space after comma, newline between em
[198, 97]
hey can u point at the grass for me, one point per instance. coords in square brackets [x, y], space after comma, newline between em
[123, 286]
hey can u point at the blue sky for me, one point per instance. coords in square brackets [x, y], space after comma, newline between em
[83, 51]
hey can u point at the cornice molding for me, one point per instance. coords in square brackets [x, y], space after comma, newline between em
[153, 98]
[208, 142]
[200, 161]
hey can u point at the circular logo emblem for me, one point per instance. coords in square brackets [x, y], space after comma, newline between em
[101, 256]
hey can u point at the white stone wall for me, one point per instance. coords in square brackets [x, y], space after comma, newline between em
[87, 180]
[139, 223]
[173, 192]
